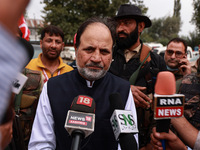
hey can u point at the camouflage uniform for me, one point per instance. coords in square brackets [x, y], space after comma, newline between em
[25, 108]
[190, 87]
[194, 65]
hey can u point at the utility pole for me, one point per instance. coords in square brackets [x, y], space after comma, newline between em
[35, 24]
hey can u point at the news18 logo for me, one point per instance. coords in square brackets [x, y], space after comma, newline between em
[85, 100]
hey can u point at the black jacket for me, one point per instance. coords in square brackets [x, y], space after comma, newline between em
[149, 71]
[64, 88]
[146, 77]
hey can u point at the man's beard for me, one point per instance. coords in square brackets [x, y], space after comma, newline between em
[53, 57]
[131, 39]
[91, 74]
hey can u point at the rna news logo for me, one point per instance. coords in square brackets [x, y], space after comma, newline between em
[168, 106]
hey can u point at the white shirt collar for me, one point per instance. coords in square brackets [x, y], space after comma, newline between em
[89, 83]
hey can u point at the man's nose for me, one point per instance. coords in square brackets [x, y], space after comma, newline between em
[53, 44]
[173, 55]
[96, 56]
[120, 27]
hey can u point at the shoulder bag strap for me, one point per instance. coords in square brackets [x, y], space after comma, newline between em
[135, 74]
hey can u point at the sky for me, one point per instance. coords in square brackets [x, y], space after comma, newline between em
[156, 9]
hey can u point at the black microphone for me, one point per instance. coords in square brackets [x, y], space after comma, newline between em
[80, 119]
[122, 123]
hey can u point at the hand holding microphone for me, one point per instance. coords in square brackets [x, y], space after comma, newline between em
[80, 119]
[123, 123]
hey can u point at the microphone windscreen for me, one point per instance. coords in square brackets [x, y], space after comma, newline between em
[116, 102]
[165, 83]
[83, 103]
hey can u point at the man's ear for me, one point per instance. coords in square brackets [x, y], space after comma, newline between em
[75, 50]
[141, 26]
[63, 45]
[41, 44]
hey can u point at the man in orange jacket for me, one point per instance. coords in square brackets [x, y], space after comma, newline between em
[49, 61]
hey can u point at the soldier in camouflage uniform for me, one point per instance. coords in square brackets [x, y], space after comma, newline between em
[190, 87]
[25, 107]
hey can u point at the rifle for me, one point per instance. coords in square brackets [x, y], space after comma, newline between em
[18, 135]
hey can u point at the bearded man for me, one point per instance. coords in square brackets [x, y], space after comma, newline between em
[94, 42]
[134, 61]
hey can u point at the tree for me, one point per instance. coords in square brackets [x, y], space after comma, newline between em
[193, 39]
[196, 15]
[177, 8]
[162, 30]
[165, 28]
[69, 14]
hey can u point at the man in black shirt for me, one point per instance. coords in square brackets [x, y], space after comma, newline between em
[135, 62]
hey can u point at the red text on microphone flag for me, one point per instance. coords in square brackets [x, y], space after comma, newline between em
[168, 112]
[78, 122]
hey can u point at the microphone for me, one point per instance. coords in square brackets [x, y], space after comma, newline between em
[167, 104]
[80, 119]
[122, 123]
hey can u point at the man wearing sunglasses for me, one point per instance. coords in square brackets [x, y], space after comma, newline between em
[176, 58]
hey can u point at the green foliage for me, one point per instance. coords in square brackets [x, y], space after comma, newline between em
[196, 15]
[162, 30]
[177, 8]
[193, 39]
[69, 14]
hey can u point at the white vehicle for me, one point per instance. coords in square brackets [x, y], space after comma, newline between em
[154, 45]
[192, 55]
[37, 50]
[160, 50]
[68, 53]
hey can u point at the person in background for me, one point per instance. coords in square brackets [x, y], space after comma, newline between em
[94, 42]
[190, 87]
[176, 58]
[134, 61]
[13, 57]
[195, 64]
[189, 135]
[73, 64]
[49, 61]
